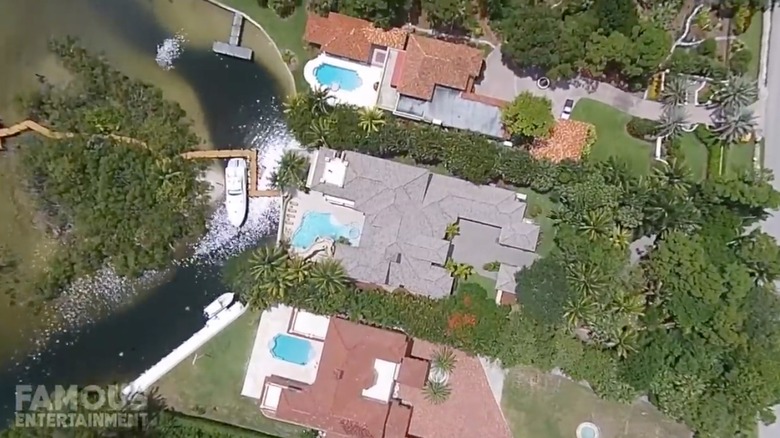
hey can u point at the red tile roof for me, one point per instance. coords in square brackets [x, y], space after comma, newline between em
[470, 411]
[334, 402]
[350, 37]
[430, 62]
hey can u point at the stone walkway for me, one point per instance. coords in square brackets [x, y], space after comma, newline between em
[500, 82]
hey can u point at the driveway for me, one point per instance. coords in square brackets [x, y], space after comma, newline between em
[498, 77]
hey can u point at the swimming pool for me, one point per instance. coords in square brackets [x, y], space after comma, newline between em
[316, 224]
[337, 78]
[291, 349]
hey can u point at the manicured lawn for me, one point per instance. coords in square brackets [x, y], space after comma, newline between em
[752, 40]
[287, 33]
[211, 387]
[540, 208]
[612, 138]
[695, 155]
[541, 405]
[739, 157]
[486, 283]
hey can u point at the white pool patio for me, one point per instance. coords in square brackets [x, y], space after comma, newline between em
[262, 363]
[364, 96]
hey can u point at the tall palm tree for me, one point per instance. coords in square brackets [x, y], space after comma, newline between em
[734, 125]
[329, 276]
[460, 271]
[577, 312]
[437, 392]
[585, 278]
[596, 223]
[291, 173]
[296, 102]
[371, 119]
[444, 360]
[268, 267]
[736, 93]
[673, 175]
[675, 91]
[318, 133]
[624, 341]
[297, 269]
[620, 237]
[266, 262]
[451, 231]
[672, 121]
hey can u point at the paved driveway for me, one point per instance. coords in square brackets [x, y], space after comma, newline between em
[500, 82]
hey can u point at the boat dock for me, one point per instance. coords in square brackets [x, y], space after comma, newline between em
[248, 154]
[233, 46]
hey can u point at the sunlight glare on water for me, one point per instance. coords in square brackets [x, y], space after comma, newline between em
[169, 50]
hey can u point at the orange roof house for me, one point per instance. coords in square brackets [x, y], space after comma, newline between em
[353, 396]
[350, 37]
[433, 79]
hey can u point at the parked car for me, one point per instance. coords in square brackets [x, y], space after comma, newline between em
[567, 107]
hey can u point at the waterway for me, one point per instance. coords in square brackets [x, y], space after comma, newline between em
[232, 103]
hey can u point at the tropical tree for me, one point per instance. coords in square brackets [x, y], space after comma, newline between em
[672, 121]
[460, 271]
[528, 116]
[291, 173]
[319, 131]
[444, 360]
[318, 101]
[329, 276]
[596, 223]
[734, 125]
[451, 231]
[675, 91]
[586, 278]
[269, 266]
[620, 237]
[371, 119]
[673, 175]
[736, 93]
[437, 392]
[578, 312]
[297, 102]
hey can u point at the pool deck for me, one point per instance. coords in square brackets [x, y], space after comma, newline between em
[262, 363]
[303, 203]
[364, 96]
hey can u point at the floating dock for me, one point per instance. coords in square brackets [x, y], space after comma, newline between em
[233, 46]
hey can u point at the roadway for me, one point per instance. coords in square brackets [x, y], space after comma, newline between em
[772, 157]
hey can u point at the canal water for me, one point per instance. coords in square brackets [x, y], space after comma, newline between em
[233, 104]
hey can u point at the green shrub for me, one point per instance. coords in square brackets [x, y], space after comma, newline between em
[708, 47]
[492, 266]
[641, 128]
[739, 63]
[714, 158]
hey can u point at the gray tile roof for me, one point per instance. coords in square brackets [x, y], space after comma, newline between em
[407, 210]
[505, 280]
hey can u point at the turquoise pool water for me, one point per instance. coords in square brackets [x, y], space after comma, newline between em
[291, 349]
[588, 432]
[329, 75]
[316, 224]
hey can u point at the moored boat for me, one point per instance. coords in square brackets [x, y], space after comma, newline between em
[236, 196]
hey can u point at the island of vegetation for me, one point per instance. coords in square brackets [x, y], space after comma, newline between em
[105, 201]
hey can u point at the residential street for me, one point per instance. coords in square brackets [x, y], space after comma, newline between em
[772, 158]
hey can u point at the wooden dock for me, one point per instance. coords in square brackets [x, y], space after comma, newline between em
[233, 46]
[250, 155]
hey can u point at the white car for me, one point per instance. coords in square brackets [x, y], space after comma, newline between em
[236, 191]
[567, 107]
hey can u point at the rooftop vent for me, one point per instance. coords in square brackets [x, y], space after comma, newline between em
[338, 374]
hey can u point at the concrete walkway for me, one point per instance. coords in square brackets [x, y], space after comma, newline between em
[500, 82]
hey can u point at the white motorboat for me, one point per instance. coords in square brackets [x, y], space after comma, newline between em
[219, 305]
[236, 196]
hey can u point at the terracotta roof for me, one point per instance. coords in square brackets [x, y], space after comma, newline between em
[508, 298]
[398, 419]
[430, 62]
[567, 141]
[334, 402]
[470, 411]
[350, 37]
[413, 372]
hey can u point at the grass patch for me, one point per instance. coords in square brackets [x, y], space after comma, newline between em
[612, 139]
[211, 388]
[752, 40]
[287, 33]
[695, 153]
[197, 426]
[489, 284]
[739, 158]
[540, 208]
[541, 405]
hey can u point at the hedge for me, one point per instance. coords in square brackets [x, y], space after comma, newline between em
[641, 128]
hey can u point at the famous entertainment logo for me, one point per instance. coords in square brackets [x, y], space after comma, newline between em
[73, 406]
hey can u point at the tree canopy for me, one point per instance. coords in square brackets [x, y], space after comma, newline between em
[529, 116]
[110, 201]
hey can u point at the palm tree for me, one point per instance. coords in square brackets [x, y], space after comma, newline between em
[266, 262]
[623, 341]
[620, 237]
[732, 126]
[674, 175]
[437, 392]
[675, 92]
[578, 312]
[460, 271]
[444, 360]
[736, 93]
[671, 122]
[585, 278]
[297, 269]
[318, 133]
[291, 173]
[318, 100]
[451, 231]
[296, 102]
[329, 276]
[596, 223]
[371, 119]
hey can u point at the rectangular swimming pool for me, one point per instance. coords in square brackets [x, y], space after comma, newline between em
[316, 224]
[291, 349]
[337, 78]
